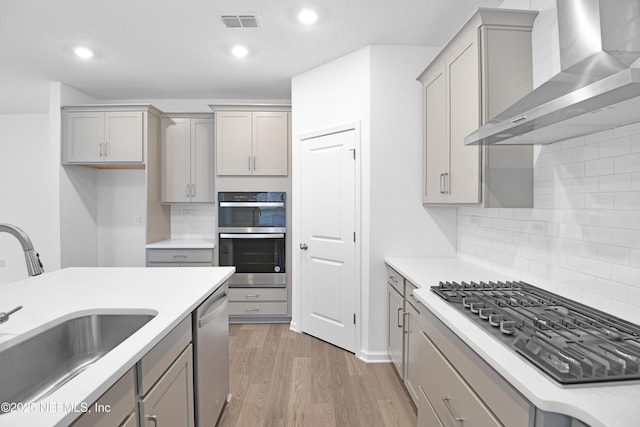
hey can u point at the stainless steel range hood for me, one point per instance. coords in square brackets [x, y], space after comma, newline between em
[597, 88]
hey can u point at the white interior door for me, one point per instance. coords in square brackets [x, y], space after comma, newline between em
[328, 249]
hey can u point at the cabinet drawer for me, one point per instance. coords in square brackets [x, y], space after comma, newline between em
[257, 294]
[153, 364]
[113, 407]
[395, 279]
[257, 309]
[427, 416]
[454, 402]
[508, 405]
[180, 256]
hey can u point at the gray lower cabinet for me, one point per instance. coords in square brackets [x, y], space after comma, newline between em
[117, 407]
[165, 378]
[179, 257]
[170, 401]
[257, 303]
[395, 312]
[447, 381]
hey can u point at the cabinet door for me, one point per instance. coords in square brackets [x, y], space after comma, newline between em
[170, 400]
[202, 161]
[270, 143]
[463, 181]
[233, 143]
[414, 367]
[396, 335]
[436, 150]
[124, 136]
[175, 160]
[85, 137]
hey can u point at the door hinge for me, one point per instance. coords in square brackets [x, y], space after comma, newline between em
[354, 318]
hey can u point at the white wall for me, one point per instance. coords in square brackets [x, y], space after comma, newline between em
[376, 87]
[334, 94]
[400, 226]
[28, 193]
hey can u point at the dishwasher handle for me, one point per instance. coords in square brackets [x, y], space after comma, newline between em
[211, 312]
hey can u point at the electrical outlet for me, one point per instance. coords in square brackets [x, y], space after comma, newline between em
[2, 262]
[475, 219]
[538, 227]
[137, 220]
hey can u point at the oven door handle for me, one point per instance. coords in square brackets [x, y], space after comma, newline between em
[251, 204]
[252, 236]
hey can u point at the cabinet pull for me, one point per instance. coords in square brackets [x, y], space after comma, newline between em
[193, 190]
[186, 191]
[153, 418]
[252, 295]
[398, 320]
[447, 403]
[251, 309]
[254, 162]
[442, 183]
[100, 149]
[106, 150]
[249, 163]
[446, 182]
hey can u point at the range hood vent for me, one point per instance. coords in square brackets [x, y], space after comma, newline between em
[598, 87]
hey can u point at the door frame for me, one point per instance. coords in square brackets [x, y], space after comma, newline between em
[296, 229]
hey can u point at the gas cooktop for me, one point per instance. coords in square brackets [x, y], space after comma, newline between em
[570, 342]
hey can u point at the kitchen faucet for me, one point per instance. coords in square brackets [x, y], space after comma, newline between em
[34, 266]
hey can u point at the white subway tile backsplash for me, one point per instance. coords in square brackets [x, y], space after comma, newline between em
[193, 221]
[582, 238]
[598, 167]
[630, 163]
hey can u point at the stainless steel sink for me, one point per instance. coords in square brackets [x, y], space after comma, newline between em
[36, 367]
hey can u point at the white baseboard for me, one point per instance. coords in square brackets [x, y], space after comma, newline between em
[374, 356]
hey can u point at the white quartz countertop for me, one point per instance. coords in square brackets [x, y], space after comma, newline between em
[183, 244]
[171, 293]
[608, 405]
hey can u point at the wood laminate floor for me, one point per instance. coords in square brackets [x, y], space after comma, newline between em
[283, 378]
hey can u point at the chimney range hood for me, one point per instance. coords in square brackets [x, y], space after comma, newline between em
[598, 87]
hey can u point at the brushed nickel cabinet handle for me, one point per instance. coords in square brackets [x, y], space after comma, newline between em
[442, 183]
[153, 418]
[398, 320]
[447, 403]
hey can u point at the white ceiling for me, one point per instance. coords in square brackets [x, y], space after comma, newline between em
[178, 49]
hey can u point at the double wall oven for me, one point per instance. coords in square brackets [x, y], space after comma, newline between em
[252, 229]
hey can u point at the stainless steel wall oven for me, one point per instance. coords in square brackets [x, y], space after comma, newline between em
[252, 230]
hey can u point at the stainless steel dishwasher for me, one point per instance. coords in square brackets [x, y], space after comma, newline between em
[211, 341]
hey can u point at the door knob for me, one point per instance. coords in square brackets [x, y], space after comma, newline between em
[304, 246]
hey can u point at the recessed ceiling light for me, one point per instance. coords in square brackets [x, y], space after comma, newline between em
[83, 52]
[308, 16]
[239, 51]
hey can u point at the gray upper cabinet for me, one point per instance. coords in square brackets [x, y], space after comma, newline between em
[95, 135]
[188, 159]
[483, 69]
[252, 142]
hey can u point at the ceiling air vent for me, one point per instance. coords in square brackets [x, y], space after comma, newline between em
[240, 20]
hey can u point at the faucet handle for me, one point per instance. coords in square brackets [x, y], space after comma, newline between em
[5, 316]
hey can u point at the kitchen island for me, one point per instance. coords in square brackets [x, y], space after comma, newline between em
[599, 405]
[169, 294]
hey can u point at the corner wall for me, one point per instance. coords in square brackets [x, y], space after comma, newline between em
[376, 87]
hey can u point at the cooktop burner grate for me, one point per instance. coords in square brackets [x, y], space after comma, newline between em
[569, 341]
